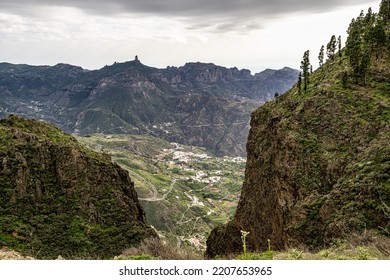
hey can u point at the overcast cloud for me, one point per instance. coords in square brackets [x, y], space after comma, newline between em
[184, 8]
[239, 33]
[213, 15]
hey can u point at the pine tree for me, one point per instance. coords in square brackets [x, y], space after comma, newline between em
[377, 38]
[367, 36]
[364, 35]
[331, 47]
[305, 66]
[299, 84]
[321, 55]
[369, 18]
[355, 47]
[384, 16]
[384, 11]
[339, 46]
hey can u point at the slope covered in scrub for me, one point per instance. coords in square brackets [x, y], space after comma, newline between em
[59, 198]
[319, 156]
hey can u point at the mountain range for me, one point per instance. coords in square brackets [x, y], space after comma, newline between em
[198, 104]
[317, 172]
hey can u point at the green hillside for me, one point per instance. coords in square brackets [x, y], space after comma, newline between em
[318, 168]
[60, 198]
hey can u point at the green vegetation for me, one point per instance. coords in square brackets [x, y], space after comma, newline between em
[340, 125]
[367, 40]
[331, 47]
[60, 198]
[317, 185]
[267, 255]
[321, 55]
[319, 156]
[158, 249]
[305, 66]
[185, 191]
[243, 238]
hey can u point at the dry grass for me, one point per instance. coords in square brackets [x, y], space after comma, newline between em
[8, 254]
[367, 246]
[340, 253]
[154, 248]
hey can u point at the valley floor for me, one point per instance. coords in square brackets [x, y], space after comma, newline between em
[184, 190]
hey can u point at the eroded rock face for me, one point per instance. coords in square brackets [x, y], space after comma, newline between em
[317, 170]
[264, 198]
[58, 198]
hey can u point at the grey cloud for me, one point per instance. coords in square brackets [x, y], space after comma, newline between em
[221, 15]
[236, 26]
[185, 7]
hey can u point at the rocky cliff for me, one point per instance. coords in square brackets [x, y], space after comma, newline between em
[199, 104]
[58, 198]
[318, 165]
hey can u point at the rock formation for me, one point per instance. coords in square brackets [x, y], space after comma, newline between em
[59, 198]
[318, 164]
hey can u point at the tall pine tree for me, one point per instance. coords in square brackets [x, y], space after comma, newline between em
[339, 46]
[367, 39]
[356, 47]
[331, 47]
[321, 55]
[299, 85]
[384, 11]
[305, 66]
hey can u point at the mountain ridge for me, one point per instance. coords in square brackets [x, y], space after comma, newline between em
[199, 104]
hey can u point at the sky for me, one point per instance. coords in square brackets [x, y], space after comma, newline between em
[247, 34]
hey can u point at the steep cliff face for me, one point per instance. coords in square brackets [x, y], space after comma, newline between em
[58, 198]
[318, 165]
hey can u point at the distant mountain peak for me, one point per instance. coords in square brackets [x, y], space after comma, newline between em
[203, 103]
